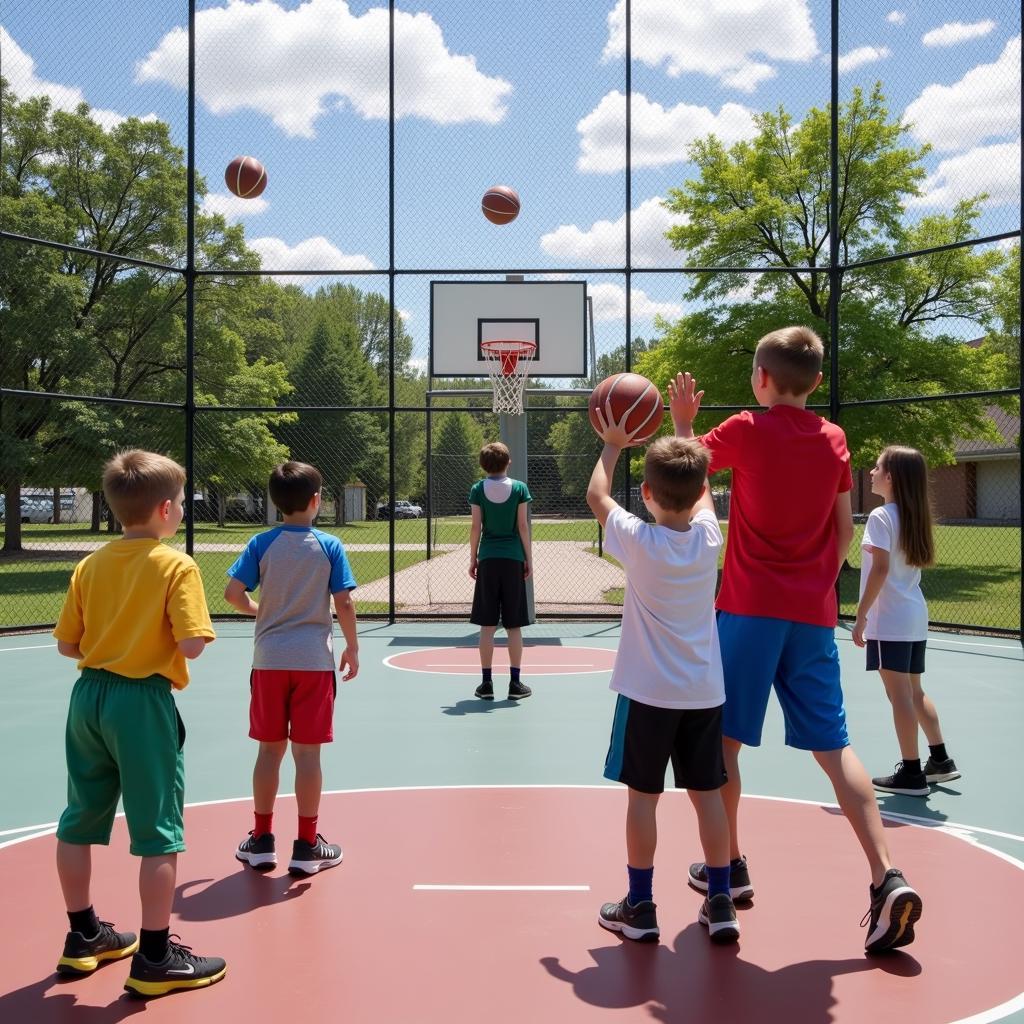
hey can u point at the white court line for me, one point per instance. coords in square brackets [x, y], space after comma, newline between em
[28, 828]
[502, 888]
[37, 647]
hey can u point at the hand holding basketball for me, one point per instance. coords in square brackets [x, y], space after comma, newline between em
[683, 401]
[626, 409]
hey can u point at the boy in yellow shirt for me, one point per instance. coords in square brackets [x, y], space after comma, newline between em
[134, 613]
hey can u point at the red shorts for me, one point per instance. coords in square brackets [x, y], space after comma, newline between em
[288, 704]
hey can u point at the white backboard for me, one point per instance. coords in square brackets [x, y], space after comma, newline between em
[552, 314]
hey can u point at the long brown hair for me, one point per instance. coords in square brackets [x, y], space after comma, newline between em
[909, 473]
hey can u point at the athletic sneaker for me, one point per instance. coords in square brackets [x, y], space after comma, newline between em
[718, 915]
[518, 690]
[740, 888]
[639, 923]
[895, 907]
[941, 771]
[904, 780]
[309, 858]
[258, 852]
[83, 956]
[485, 691]
[180, 969]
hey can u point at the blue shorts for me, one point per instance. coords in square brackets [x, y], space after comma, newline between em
[802, 663]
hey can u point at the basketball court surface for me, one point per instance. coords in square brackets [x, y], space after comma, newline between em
[480, 841]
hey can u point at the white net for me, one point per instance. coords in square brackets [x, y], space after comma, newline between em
[508, 366]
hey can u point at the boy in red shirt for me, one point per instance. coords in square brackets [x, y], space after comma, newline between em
[790, 526]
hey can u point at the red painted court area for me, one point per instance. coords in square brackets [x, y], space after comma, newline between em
[360, 943]
[537, 661]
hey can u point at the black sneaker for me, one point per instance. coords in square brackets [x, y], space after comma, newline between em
[895, 907]
[639, 923]
[485, 691]
[904, 781]
[309, 858]
[718, 915]
[83, 956]
[258, 852]
[941, 771]
[518, 690]
[180, 969]
[740, 888]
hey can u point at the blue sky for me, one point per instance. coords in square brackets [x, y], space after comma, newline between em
[527, 95]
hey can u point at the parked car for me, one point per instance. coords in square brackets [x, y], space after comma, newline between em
[33, 510]
[403, 510]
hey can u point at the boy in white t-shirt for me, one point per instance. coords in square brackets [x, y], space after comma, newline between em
[668, 670]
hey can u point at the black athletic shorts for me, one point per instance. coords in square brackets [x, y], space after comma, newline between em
[499, 597]
[644, 740]
[896, 655]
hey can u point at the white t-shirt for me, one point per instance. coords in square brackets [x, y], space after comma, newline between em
[899, 611]
[668, 656]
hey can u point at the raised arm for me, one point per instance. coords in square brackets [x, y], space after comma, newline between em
[683, 403]
[599, 490]
[705, 501]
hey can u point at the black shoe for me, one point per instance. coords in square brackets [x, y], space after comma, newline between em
[258, 852]
[740, 888]
[180, 969]
[941, 771]
[309, 858]
[895, 907]
[83, 956]
[485, 691]
[904, 781]
[639, 923]
[518, 690]
[718, 915]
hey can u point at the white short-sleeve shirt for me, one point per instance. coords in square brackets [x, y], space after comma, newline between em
[668, 656]
[900, 611]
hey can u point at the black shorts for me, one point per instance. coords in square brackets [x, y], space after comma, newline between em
[499, 597]
[644, 740]
[896, 655]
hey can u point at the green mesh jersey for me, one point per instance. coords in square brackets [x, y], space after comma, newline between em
[500, 537]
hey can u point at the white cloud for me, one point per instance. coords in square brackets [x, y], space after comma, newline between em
[610, 304]
[232, 207]
[19, 69]
[985, 103]
[660, 135]
[954, 32]
[314, 254]
[718, 39]
[993, 169]
[407, 315]
[896, 17]
[604, 243]
[296, 65]
[862, 55]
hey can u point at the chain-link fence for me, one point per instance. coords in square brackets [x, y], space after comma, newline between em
[687, 162]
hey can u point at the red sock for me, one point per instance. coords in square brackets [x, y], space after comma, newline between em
[307, 828]
[264, 824]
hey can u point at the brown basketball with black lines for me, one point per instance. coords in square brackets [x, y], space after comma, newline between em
[246, 177]
[632, 394]
[500, 204]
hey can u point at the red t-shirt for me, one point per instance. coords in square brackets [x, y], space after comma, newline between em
[787, 466]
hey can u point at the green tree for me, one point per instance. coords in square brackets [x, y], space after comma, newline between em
[1005, 337]
[455, 462]
[765, 203]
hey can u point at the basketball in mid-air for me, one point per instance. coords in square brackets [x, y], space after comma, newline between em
[632, 394]
[246, 177]
[500, 204]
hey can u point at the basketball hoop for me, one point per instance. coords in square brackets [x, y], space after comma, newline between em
[508, 366]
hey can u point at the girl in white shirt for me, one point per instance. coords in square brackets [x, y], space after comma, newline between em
[892, 617]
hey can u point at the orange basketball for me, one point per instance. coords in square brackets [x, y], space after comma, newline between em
[500, 204]
[246, 177]
[633, 394]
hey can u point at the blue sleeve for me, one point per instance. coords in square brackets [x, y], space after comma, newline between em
[341, 571]
[246, 567]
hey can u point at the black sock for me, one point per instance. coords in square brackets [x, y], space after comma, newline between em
[514, 673]
[153, 945]
[938, 752]
[912, 765]
[85, 922]
[487, 675]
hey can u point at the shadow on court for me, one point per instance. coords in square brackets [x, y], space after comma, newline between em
[475, 706]
[695, 981]
[236, 894]
[53, 999]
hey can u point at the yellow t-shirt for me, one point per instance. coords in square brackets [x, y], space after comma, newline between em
[128, 605]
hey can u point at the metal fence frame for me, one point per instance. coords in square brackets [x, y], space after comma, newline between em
[835, 271]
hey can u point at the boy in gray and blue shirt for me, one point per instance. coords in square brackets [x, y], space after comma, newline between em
[298, 571]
